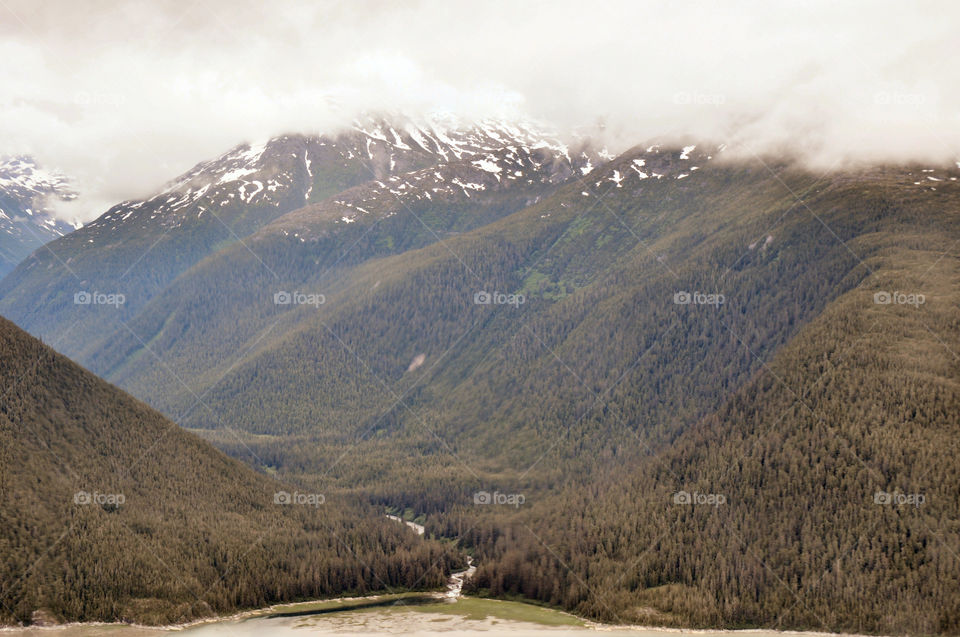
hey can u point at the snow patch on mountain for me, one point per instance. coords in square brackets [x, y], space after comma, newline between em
[397, 157]
[27, 192]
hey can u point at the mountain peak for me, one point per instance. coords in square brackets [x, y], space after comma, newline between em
[453, 137]
[289, 171]
[26, 218]
[22, 176]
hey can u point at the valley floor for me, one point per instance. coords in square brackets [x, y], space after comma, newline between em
[404, 614]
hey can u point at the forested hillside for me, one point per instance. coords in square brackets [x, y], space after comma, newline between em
[110, 512]
[598, 341]
[838, 467]
[819, 400]
[774, 344]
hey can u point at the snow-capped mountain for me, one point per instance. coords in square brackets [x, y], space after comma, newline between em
[439, 155]
[460, 163]
[26, 219]
[457, 174]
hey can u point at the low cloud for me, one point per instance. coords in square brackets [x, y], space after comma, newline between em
[125, 96]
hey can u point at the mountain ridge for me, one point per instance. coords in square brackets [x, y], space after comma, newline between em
[142, 246]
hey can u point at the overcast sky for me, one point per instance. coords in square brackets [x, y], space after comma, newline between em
[124, 96]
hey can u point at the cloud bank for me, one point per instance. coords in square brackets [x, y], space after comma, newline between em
[124, 96]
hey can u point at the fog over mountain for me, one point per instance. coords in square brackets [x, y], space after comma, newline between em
[145, 90]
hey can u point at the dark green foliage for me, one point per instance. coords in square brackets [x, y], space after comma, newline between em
[864, 400]
[195, 534]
